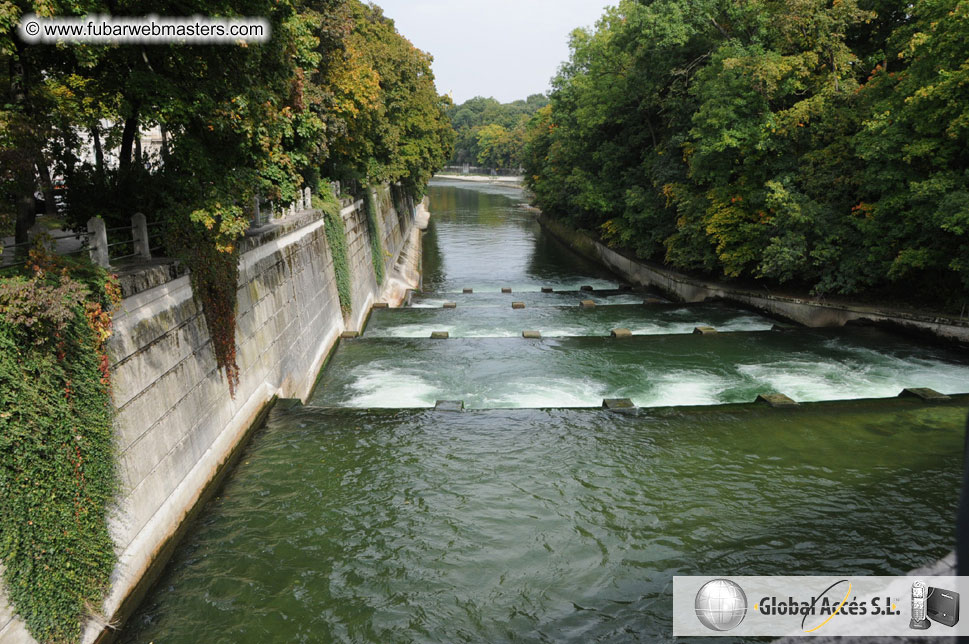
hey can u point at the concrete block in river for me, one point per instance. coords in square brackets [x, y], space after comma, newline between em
[586, 288]
[923, 393]
[439, 335]
[618, 403]
[704, 330]
[380, 305]
[467, 290]
[532, 335]
[776, 400]
[505, 289]
[547, 289]
[621, 333]
[449, 405]
[346, 335]
[587, 304]
[517, 305]
[450, 305]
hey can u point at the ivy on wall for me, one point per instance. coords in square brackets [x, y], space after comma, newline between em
[207, 242]
[214, 278]
[57, 458]
[336, 238]
[376, 245]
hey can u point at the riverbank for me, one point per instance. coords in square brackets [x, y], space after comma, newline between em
[809, 311]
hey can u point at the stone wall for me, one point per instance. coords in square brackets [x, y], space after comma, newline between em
[813, 312]
[177, 425]
[391, 233]
[359, 256]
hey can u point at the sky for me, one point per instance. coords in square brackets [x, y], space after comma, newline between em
[507, 49]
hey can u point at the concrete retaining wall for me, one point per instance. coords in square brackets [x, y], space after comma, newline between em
[177, 425]
[813, 312]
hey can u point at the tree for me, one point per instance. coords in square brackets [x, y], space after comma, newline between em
[501, 124]
[808, 142]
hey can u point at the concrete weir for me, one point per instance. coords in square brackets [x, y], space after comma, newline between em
[177, 427]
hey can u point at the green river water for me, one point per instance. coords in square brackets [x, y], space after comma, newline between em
[352, 519]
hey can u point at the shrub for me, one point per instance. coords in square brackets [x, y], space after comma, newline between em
[57, 459]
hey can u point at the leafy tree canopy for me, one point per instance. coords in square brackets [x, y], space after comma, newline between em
[490, 133]
[806, 142]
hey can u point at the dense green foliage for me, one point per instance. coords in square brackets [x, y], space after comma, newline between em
[57, 462]
[820, 144]
[336, 239]
[490, 133]
[373, 230]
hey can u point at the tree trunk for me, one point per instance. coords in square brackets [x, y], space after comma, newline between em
[70, 159]
[98, 153]
[23, 163]
[26, 217]
[128, 140]
[46, 185]
[164, 147]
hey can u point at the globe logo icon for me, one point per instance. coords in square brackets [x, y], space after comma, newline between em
[721, 605]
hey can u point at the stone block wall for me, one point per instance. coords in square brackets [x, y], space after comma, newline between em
[359, 257]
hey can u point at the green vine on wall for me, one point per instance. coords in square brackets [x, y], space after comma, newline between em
[57, 459]
[376, 245]
[336, 239]
[206, 242]
[214, 277]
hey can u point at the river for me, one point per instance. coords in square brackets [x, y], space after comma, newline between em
[365, 516]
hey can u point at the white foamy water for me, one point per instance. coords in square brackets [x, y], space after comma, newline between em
[683, 387]
[864, 373]
[745, 323]
[620, 298]
[550, 392]
[377, 386]
[455, 330]
[570, 332]
[427, 304]
[806, 380]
